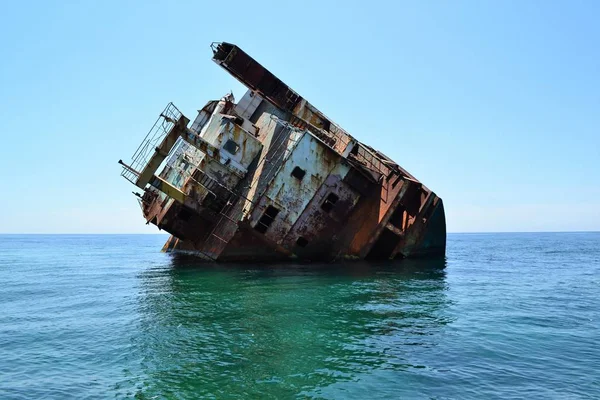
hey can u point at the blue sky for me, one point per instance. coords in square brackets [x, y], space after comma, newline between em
[495, 105]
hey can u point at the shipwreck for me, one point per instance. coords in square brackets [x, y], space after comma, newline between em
[271, 178]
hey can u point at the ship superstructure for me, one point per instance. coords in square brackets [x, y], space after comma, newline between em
[272, 178]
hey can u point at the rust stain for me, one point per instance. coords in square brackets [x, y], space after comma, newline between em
[245, 201]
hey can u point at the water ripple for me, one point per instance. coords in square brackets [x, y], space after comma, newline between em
[506, 316]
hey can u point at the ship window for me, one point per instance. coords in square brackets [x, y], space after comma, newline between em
[231, 147]
[302, 242]
[326, 125]
[298, 173]
[329, 202]
[267, 219]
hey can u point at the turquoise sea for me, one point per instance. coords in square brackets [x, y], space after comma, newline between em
[505, 316]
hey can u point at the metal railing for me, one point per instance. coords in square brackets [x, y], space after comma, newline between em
[163, 125]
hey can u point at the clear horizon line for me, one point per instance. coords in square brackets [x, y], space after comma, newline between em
[166, 233]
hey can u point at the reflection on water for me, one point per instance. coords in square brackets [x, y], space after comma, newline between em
[247, 330]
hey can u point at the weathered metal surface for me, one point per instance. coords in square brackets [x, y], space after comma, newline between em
[291, 195]
[273, 178]
[315, 234]
[168, 189]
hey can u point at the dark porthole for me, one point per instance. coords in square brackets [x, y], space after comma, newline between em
[302, 242]
[329, 202]
[298, 173]
[231, 147]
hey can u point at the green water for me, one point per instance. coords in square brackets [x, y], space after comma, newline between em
[284, 332]
[505, 316]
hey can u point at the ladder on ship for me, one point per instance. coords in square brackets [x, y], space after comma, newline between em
[223, 230]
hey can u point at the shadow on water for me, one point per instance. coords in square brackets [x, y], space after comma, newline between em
[282, 330]
[361, 268]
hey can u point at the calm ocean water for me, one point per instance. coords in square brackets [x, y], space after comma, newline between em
[505, 316]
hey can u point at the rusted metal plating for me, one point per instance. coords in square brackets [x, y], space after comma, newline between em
[272, 178]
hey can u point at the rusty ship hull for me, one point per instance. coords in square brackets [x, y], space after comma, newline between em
[271, 178]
